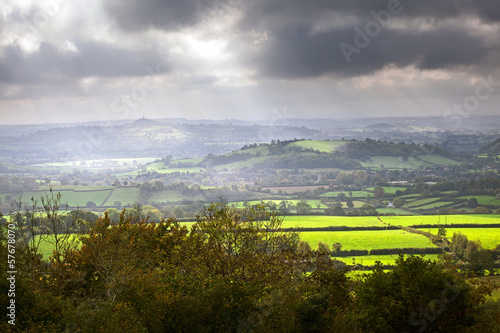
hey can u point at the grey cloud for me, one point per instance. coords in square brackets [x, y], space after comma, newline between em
[258, 11]
[293, 50]
[163, 14]
[48, 65]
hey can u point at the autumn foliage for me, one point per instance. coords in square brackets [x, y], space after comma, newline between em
[234, 270]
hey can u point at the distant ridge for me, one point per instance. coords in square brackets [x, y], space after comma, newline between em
[145, 122]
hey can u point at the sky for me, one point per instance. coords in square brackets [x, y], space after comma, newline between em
[88, 60]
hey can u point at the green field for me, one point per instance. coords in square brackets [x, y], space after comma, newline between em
[398, 211]
[438, 159]
[330, 221]
[393, 162]
[323, 145]
[185, 160]
[484, 199]
[396, 162]
[126, 195]
[489, 237]
[47, 246]
[355, 194]
[366, 240]
[434, 205]
[442, 219]
[384, 259]
[420, 202]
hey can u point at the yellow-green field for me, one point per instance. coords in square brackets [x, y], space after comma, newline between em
[330, 221]
[47, 246]
[366, 240]
[489, 237]
[442, 219]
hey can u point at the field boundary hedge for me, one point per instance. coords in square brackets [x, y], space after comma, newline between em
[458, 225]
[341, 228]
[391, 251]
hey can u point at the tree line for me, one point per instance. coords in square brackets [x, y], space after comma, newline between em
[228, 273]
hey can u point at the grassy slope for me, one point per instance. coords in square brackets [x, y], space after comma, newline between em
[126, 195]
[327, 146]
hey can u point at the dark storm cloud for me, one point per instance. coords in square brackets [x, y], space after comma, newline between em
[295, 50]
[260, 10]
[50, 65]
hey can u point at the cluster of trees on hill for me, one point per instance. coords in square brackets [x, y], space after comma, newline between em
[233, 271]
[364, 150]
[17, 185]
[492, 149]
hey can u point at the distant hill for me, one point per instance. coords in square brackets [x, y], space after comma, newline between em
[492, 149]
[326, 154]
[140, 138]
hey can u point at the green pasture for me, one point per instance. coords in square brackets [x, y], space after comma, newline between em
[322, 145]
[397, 162]
[437, 204]
[409, 196]
[420, 202]
[489, 237]
[47, 245]
[313, 221]
[357, 204]
[355, 194]
[484, 199]
[442, 219]
[393, 162]
[185, 160]
[438, 159]
[264, 151]
[397, 211]
[366, 240]
[126, 195]
[240, 164]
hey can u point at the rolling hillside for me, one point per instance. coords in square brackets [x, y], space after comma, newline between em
[312, 154]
